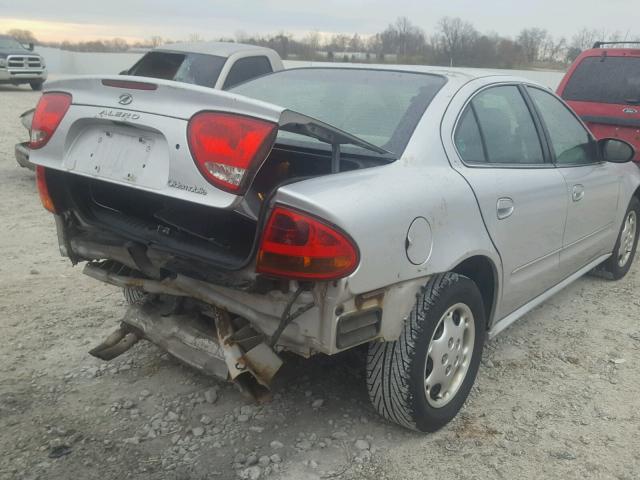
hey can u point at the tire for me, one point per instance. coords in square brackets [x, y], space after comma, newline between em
[36, 86]
[619, 263]
[134, 296]
[397, 372]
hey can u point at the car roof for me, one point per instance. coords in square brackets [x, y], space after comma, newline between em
[220, 49]
[610, 51]
[456, 77]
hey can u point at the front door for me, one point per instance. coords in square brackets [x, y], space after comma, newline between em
[522, 196]
[592, 185]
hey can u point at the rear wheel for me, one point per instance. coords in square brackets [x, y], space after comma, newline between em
[421, 380]
[37, 86]
[624, 251]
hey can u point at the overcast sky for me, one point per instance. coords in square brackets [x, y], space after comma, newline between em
[86, 19]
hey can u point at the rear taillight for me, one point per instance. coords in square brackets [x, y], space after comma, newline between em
[51, 108]
[43, 189]
[227, 147]
[298, 246]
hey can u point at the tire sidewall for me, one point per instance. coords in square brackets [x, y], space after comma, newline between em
[429, 418]
[616, 270]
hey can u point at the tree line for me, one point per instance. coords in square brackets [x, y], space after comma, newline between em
[455, 42]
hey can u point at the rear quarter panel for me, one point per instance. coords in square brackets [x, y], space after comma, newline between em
[376, 207]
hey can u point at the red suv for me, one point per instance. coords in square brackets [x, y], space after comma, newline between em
[603, 87]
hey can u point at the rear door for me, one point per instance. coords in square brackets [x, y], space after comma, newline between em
[592, 185]
[604, 90]
[521, 194]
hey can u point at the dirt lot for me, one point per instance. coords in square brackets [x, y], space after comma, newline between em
[558, 394]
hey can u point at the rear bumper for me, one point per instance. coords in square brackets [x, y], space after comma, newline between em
[336, 319]
[22, 156]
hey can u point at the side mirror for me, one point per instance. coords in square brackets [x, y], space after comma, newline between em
[30, 47]
[615, 151]
[124, 72]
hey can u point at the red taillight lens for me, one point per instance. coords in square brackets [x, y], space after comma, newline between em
[43, 189]
[51, 108]
[228, 147]
[298, 246]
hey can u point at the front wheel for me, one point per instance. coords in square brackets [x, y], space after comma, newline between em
[619, 263]
[421, 380]
[36, 86]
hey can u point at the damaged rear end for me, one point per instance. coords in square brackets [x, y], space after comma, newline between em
[170, 191]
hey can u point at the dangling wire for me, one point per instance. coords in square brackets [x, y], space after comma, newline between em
[288, 317]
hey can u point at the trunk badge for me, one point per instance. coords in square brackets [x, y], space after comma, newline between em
[125, 99]
[629, 110]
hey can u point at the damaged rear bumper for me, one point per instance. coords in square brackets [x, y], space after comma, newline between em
[209, 343]
[333, 317]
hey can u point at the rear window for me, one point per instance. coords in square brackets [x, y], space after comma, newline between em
[379, 106]
[605, 79]
[194, 68]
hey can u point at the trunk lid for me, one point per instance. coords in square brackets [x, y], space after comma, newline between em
[133, 132]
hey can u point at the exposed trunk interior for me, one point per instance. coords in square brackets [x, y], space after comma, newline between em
[223, 239]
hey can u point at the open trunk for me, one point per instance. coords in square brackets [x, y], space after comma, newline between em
[128, 188]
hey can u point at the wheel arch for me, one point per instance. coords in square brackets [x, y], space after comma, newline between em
[483, 272]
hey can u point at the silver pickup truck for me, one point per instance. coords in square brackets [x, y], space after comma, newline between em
[411, 212]
[219, 65]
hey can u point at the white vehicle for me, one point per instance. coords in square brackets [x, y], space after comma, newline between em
[219, 65]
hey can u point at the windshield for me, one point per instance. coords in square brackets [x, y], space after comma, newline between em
[605, 80]
[379, 106]
[194, 68]
[10, 43]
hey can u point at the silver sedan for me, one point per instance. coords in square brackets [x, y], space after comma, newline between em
[316, 210]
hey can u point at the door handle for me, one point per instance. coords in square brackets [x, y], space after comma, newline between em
[577, 193]
[504, 207]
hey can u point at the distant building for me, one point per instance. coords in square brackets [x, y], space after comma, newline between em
[357, 56]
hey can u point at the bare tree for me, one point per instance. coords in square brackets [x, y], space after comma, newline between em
[401, 38]
[156, 41]
[455, 37]
[553, 50]
[23, 36]
[355, 43]
[532, 40]
[585, 38]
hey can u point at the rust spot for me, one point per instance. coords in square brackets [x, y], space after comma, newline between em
[371, 299]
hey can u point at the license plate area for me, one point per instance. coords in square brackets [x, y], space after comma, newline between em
[114, 154]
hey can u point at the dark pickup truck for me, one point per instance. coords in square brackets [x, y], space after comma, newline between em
[20, 65]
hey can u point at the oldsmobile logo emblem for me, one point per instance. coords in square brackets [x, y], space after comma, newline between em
[125, 99]
[630, 110]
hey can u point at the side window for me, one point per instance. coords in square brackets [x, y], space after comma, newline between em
[506, 127]
[570, 141]
[245, 69]
[468, 140]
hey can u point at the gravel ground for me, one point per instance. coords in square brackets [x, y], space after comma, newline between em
[556, 396]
